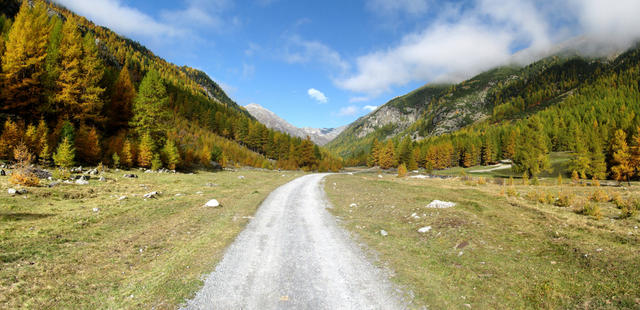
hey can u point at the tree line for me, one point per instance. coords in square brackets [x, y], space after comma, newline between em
[73, 93]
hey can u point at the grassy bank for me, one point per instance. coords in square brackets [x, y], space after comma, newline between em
[501, 247]
[56, 251]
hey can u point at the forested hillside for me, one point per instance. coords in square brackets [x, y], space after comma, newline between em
[588, 107]
[72, 92]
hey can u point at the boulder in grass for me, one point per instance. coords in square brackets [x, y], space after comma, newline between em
[82, 182]
[438, 204]
[384, 233]
[2, 173]
[425, 229]
[213, 203]
[130, 176]
[12, 191]
[151, 195]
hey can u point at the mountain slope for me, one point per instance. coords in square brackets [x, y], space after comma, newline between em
[319, 136]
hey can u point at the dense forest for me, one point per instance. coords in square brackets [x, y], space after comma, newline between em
[75, 93]
[588, 108]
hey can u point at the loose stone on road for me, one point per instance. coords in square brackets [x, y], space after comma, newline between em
[293, 255]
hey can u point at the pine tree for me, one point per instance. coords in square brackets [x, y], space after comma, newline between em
[387, 156]
[156, 162]
[116, 160]
[405, 151]
[92, 72]
[635, 152]
[621, 168]
[23, 63]
[52, 63]
[65, 155]
[580, 160]
[10, 138]
[145, 151]
[172, 154]
[127, 154]
[487, 152]
[122, 98]
[87, 144]
[69, 82]
[374, 154]
[150, 110]
[532, 154]
[402, 171]
[45, 153]
[42, 132]
[598, 165]
[307, 156]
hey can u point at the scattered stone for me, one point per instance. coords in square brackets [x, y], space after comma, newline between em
[598, 250]
[93, 172]
[151, 195]
[22, 191]
[215, 165]
[12, 191]
[211, 185]
[2, 173]
[53, 184]
[467, 305]
[148, 171]
[384, 233]
[437, 204]
[198, 193]
[212, 203]
[82, 177]
[353, 205]
[425, 229]
[415, 216]
[241, 177]
[122, 198]
[82, 182]
[96, 209]
[130, 176]
[179, 194]
[76, 170]
[102, 179]
[460, 253]
[419, 176]
[380, 176]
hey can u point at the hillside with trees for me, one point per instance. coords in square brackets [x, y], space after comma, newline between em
[587, 107]
[74, 93]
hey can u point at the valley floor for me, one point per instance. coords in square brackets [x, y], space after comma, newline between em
[501, 246]
[86, 247]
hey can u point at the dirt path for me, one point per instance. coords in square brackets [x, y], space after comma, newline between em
[496, 167]
[293, 255]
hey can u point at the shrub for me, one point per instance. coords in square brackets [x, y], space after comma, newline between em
[61, 174]
[619, 202]
[22, 175]
[481, 181]
[595, 182]
[511, 182]
[599, 196]
[565, 200]
[628, 211]
[402, 171]
[593, 210]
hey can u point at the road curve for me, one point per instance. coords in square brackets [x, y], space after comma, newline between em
[293, 255]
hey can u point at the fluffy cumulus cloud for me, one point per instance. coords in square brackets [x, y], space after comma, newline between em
[370, 108]
[466, 40]
[124, 19]
[317, 95]
[348, 111]
[299, 50]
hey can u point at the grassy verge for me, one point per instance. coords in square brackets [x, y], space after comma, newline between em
[56, 251]
[501, 247]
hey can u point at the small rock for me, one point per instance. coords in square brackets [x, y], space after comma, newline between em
[102, 179]
[93, 172]
[122, 198]
[53, 184]
[82, 182]
[460, 253]
[151, 195]
[2, 173]
[96, 209]
[353, 205]
[241, 177]
[211, 185]
[130, 176]
[212, 203]
[148, 171]
[380, 176]
[22, 191]
[198, 193]
[467, 305]
[82, 177]
[425, 229]
[437, 204]
[415, 216]
[12, 191]
[384, 233]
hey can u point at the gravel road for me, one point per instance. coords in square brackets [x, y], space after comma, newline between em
[293, 255]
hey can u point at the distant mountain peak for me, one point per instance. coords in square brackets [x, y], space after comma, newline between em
[320, 136]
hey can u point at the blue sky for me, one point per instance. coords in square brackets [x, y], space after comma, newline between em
[326, 63]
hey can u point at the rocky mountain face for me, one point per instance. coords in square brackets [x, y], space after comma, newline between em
[319, 136]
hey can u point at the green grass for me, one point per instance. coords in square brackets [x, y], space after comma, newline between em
[494, 251]
[56, 252]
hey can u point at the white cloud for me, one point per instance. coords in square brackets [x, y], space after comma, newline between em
[370, 108]
[248, 71]
[199, 13]
[348, 111]
[385, 7]
[317, 95]
[121, 18]
[298, 50]
[466, 40]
